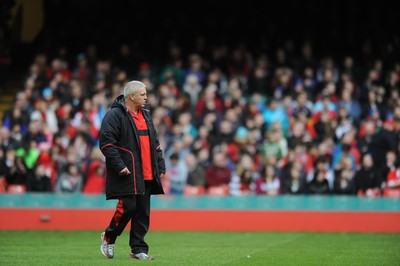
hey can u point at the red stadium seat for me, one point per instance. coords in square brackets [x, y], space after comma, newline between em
[391, 192]
[3, 185]
[16, 189]
[218, 190]
[194, 190]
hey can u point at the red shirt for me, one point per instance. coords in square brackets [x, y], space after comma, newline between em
[217, 176]
[144, 139]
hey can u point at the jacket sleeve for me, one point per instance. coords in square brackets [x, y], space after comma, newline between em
[109, 135]
[160, 158]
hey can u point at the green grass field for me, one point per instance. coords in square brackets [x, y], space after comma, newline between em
[203, 248]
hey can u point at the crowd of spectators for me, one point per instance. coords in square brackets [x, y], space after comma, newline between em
[231, 121]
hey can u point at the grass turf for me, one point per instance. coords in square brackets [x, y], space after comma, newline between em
[203, 248]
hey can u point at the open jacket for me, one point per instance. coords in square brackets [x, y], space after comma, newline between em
[120, 144]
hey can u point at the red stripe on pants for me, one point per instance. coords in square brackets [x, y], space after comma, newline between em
[118, 212]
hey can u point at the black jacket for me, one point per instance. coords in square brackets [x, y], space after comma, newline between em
[119, 142]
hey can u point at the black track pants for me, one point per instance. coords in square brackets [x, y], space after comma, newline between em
[135, 209]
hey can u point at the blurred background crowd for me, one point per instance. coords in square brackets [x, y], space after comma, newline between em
[246, 100]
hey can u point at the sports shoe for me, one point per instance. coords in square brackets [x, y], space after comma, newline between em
[141, 256]
[105, 248]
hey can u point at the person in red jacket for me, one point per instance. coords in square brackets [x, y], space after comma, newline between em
[135, 166]
[95, 182]
[218, 174]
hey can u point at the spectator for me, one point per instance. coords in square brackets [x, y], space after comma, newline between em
[367, 179]
[177, 174]
[70, 180]
[196, 67]
[208, 102]
[28, 153]
[321, 168]
[294, 182]
[268, 182]
[274, 145]
[196, 172]
[372, 109]
[45, 173]
[16, 169]
[15, 117]
[41, 182]
[241, 185]
[218, 173]
[302, 105]
[95, 173]
[390, 173]
[192, 88]
[319, 184]
[275, 113]
[352, 107]
[344, 183]
[96, 178]
[7, 141]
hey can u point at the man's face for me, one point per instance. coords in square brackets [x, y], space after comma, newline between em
[140, 97]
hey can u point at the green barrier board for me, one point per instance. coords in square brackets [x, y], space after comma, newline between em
[281, 202]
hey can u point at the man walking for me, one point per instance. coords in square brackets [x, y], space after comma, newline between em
[135, 166]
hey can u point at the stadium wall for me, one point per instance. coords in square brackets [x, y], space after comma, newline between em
[207, 213]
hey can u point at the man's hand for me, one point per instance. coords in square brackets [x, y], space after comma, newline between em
[124, 171]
